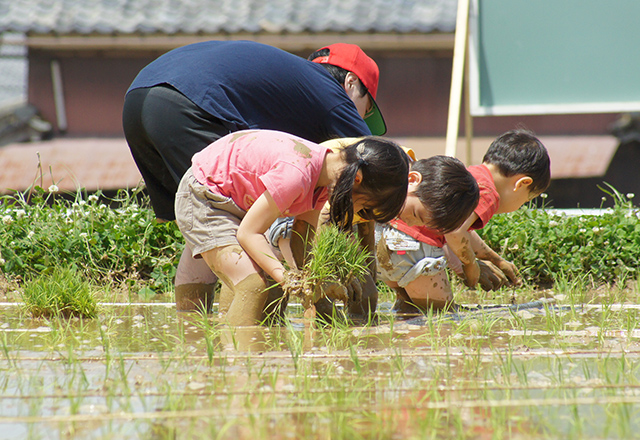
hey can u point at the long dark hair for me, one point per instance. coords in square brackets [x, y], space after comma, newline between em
[385, 171]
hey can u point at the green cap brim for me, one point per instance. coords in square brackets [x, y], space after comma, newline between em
[374, 120]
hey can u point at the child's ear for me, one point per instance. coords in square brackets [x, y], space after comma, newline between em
[523, 182]
[358, 178]
[414, 177]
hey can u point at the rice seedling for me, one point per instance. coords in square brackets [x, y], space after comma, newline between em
[335, 259]
[63, 292]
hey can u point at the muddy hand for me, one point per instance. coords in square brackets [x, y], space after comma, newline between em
[491, 277]
[354, 291]
[511, 271]
[292, 282]
[471, 273]
[333, 291]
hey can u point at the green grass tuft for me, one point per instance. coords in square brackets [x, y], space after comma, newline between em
[63, 292]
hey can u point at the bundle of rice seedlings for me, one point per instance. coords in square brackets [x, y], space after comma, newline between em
[336, 258]
[64, 292]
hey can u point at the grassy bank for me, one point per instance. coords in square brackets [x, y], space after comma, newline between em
[119, 240]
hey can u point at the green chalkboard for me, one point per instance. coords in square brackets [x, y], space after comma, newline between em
[554, 56]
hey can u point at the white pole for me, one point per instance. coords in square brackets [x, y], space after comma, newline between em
[457, 76]
[58, 95]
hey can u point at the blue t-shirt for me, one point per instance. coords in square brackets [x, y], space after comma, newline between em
[249, 85]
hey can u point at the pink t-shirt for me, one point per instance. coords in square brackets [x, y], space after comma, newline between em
[487, 207]
[242, 165]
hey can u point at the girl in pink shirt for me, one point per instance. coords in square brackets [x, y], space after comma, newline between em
[241, 183]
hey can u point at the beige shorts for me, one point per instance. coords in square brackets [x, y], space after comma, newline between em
[207, 220]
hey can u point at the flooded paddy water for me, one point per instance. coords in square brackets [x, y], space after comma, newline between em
[551, 368]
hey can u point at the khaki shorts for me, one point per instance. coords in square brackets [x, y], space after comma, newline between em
[402, 259]
[207, 220]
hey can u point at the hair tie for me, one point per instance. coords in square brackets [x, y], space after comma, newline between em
[361, 160]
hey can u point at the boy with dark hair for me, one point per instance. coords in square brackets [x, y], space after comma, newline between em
[411, 258]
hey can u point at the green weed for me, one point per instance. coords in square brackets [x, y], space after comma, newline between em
[544, 243]
[110, 239]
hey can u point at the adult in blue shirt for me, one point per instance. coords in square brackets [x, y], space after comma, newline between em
[193, 95]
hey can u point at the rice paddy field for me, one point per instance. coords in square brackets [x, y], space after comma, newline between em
[551, 366]
[556, 358]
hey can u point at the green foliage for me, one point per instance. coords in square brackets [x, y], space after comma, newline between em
[41, 230]
[63, 292]
[544, 243]
[336, 256]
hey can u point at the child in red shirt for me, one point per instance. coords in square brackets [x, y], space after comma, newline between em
[412, 257]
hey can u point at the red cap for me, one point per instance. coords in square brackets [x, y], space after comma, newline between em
[350, 57]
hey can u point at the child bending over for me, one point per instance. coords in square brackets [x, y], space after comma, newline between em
[238, 185]
[515, 169]
[444, 209]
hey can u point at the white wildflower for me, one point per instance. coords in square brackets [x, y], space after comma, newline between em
[2, 261]
[553, 223]
[31, 234]
[54, 188]
[604, 199]
[20, 213]
[590, 243]
[596, 229]
[606, 243]
[83, 235]
[582, 230]
[7, 219]
[93, 198]
[630, 195]
[544, 195]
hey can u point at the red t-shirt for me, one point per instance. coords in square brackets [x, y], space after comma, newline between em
[487, 207]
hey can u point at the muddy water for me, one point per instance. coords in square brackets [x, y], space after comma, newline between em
[145, 371]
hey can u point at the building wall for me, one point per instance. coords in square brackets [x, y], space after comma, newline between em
[413, 94]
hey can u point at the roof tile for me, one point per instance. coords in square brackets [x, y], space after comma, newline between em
[215, 16]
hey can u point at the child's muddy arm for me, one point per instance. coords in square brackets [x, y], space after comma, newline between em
[251, 236]
[366, 233]
[302, 233]
[459, 242]
[484, 252]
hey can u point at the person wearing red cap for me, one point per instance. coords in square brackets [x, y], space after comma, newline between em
[195, 94]
[340, 59]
